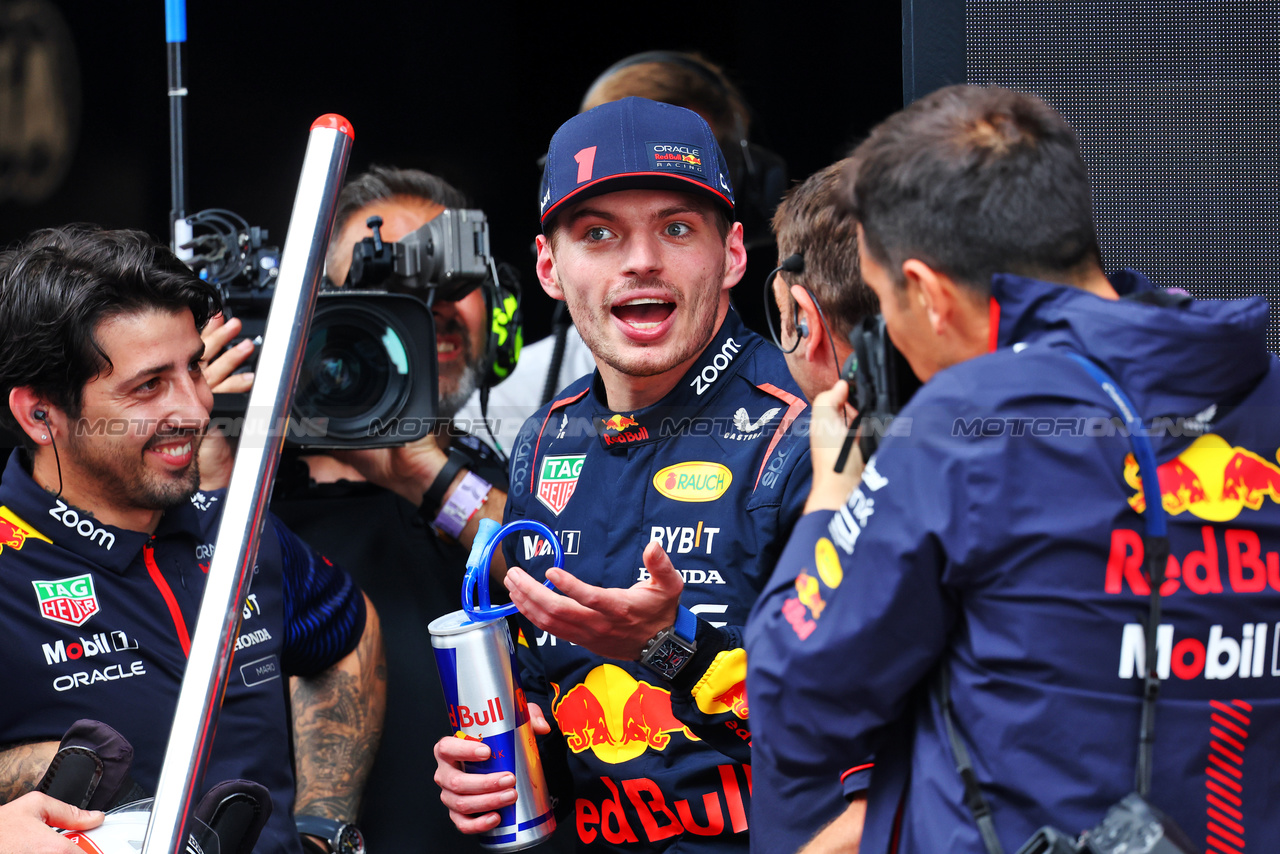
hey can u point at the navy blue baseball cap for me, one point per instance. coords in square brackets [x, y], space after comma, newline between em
[633, 144]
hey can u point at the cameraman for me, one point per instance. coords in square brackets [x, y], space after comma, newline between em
[367, 510]
[1000, 545]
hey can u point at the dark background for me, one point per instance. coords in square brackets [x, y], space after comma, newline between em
[470, 91]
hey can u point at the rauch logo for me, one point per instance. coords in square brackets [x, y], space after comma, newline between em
[693, 482]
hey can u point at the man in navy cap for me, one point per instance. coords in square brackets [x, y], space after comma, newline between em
[672, 476]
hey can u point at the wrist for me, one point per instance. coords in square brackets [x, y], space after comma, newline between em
[446, 476]
[464, 501]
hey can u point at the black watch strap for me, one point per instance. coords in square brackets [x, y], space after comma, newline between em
[434, 498]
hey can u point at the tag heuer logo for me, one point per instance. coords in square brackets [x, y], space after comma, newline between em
[67, 600]
[557, 480]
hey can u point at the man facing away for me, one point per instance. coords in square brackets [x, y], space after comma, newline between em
[978, 599]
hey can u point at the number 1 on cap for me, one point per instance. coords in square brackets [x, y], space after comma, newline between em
[586, 159]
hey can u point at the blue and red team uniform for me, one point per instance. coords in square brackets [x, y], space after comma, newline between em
[97, 622]
[716, 471]
[999, 538]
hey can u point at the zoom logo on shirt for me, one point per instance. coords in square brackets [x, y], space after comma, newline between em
[83, 527]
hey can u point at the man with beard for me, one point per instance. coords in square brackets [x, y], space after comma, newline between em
[380, 511]
[672, 476]
[105, 540]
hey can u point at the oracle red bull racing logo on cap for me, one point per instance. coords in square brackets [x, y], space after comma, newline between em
[67, 600]
[1211, 479]
[676, 157]
[558, 479]
[615, 716]
[693, 482]
[14, 532]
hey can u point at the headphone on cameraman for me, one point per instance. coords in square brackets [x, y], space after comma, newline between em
[504, 335]
[759, 175]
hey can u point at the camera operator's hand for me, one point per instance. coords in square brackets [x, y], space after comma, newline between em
[410, 470]
[473, 799]
[218, 366]
[407, 471]
[216, 454]
[614, 622]
[829, 415]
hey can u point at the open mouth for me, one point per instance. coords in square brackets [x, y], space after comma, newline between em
[644, 312]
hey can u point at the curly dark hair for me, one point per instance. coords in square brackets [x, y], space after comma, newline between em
[58, 285]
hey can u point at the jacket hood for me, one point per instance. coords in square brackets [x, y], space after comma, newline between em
[1172, 357]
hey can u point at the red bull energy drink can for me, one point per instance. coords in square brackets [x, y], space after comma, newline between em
[481, 679]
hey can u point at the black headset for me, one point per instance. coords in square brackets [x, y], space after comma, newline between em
[505, 334]
[759, 175]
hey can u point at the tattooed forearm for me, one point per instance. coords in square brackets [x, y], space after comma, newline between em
[22, 766]
[337, 723]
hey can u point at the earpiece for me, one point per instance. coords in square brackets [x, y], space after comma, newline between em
[802, 326]
[40, 415]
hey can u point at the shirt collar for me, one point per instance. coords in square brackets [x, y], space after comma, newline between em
[700, 385]
[26, 510]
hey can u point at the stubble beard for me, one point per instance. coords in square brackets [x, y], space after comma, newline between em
[701, 303]
[127, 481]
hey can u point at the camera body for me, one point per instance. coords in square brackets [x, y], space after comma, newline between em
[880, 381]
[369, 374]
[1131, 826]
[449, 254]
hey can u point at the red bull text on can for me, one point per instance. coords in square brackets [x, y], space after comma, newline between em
[477, 664]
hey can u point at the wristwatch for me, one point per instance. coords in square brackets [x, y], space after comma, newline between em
[667, 652]
[343, 837]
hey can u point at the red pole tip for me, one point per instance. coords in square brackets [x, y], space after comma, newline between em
[335, 121]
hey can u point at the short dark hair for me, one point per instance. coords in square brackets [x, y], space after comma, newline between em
[975, 181]
[815, 221]
[384, 182]
[59, 284]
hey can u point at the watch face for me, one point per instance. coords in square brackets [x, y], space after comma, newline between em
[350, 840]
[669, 658]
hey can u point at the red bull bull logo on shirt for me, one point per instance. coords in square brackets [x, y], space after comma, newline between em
[615, 716]
[1211, 480]
[14, 532]
[622, 428]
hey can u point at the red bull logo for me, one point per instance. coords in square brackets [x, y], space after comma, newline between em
[615, 716]
[618, 423]
[1211, 480]
[14, 532]
[618, 428]
[724, 688]
[810, 594]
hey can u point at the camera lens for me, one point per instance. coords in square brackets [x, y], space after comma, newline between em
[356, 369]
